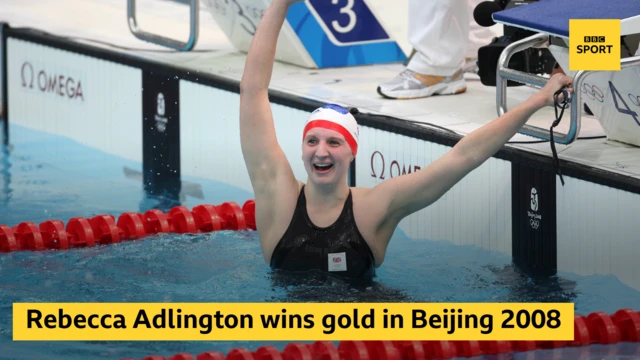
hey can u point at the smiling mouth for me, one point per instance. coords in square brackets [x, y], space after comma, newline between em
[322, 167]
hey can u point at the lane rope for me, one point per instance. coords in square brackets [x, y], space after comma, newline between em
[104, 229]
[596, 328]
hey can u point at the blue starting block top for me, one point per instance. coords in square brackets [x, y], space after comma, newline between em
[552, 16]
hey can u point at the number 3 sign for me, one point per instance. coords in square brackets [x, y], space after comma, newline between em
[342, 33]
[318, 33]
[348, 22]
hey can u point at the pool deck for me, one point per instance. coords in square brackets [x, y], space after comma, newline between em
[104, 22]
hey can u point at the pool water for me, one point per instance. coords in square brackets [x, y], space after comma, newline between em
[49, 177]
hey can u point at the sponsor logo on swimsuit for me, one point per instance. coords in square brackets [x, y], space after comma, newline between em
[51, 82]
[161, 120]
[338, 262]
[594, 44]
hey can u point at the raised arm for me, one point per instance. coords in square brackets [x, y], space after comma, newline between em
[274, 184]
[407, 194]
[264, 158]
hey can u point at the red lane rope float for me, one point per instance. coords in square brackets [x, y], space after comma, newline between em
[182, 356]
[468, 348]
[410, 349]
[132, 225]
[27, 236]
[628, 322]
[297, 351]
[54, 235]
[325, 350]
[602, 329]
[104, 229]
[211, 355]
[596, 328]
[240, 354]
[207, 218]
[267, 352]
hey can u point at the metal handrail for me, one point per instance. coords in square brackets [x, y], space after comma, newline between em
[194, 12]
[505, 74]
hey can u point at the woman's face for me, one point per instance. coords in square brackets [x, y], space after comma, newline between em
[326, 156]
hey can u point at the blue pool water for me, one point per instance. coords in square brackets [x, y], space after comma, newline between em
[49, 177]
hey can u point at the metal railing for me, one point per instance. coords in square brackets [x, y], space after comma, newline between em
[194, 12]
[505, 74]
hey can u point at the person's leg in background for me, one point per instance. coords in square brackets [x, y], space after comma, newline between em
[446, 39]
[479, 36]
[438, 31]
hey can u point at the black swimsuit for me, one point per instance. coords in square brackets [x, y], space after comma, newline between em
[338, 249]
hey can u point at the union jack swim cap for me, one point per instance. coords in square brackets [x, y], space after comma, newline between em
[336, 118]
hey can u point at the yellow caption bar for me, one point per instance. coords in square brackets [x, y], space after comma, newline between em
[292, 321]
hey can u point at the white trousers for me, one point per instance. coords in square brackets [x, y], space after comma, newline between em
[443, 33]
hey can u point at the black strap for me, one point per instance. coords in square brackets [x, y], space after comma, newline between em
[558, 105]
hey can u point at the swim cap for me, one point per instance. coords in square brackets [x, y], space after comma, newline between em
[336, 118]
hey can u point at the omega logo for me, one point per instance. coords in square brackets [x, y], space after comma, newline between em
[57, 84]
[381, 172]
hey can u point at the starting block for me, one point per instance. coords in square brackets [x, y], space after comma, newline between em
[612, 96]
[316, 33]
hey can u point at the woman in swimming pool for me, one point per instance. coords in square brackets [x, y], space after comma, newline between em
[323, 224]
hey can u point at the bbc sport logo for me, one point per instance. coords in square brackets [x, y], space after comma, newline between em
[594, 45]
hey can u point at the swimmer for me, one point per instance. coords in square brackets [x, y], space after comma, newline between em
[324, 224]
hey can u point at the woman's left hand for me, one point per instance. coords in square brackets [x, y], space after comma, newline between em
[555, 83]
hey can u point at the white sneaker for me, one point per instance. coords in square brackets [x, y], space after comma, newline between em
[411, 85]
[471, 65]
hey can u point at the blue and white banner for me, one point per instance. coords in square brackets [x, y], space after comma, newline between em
[317, 33]
[342, 33]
